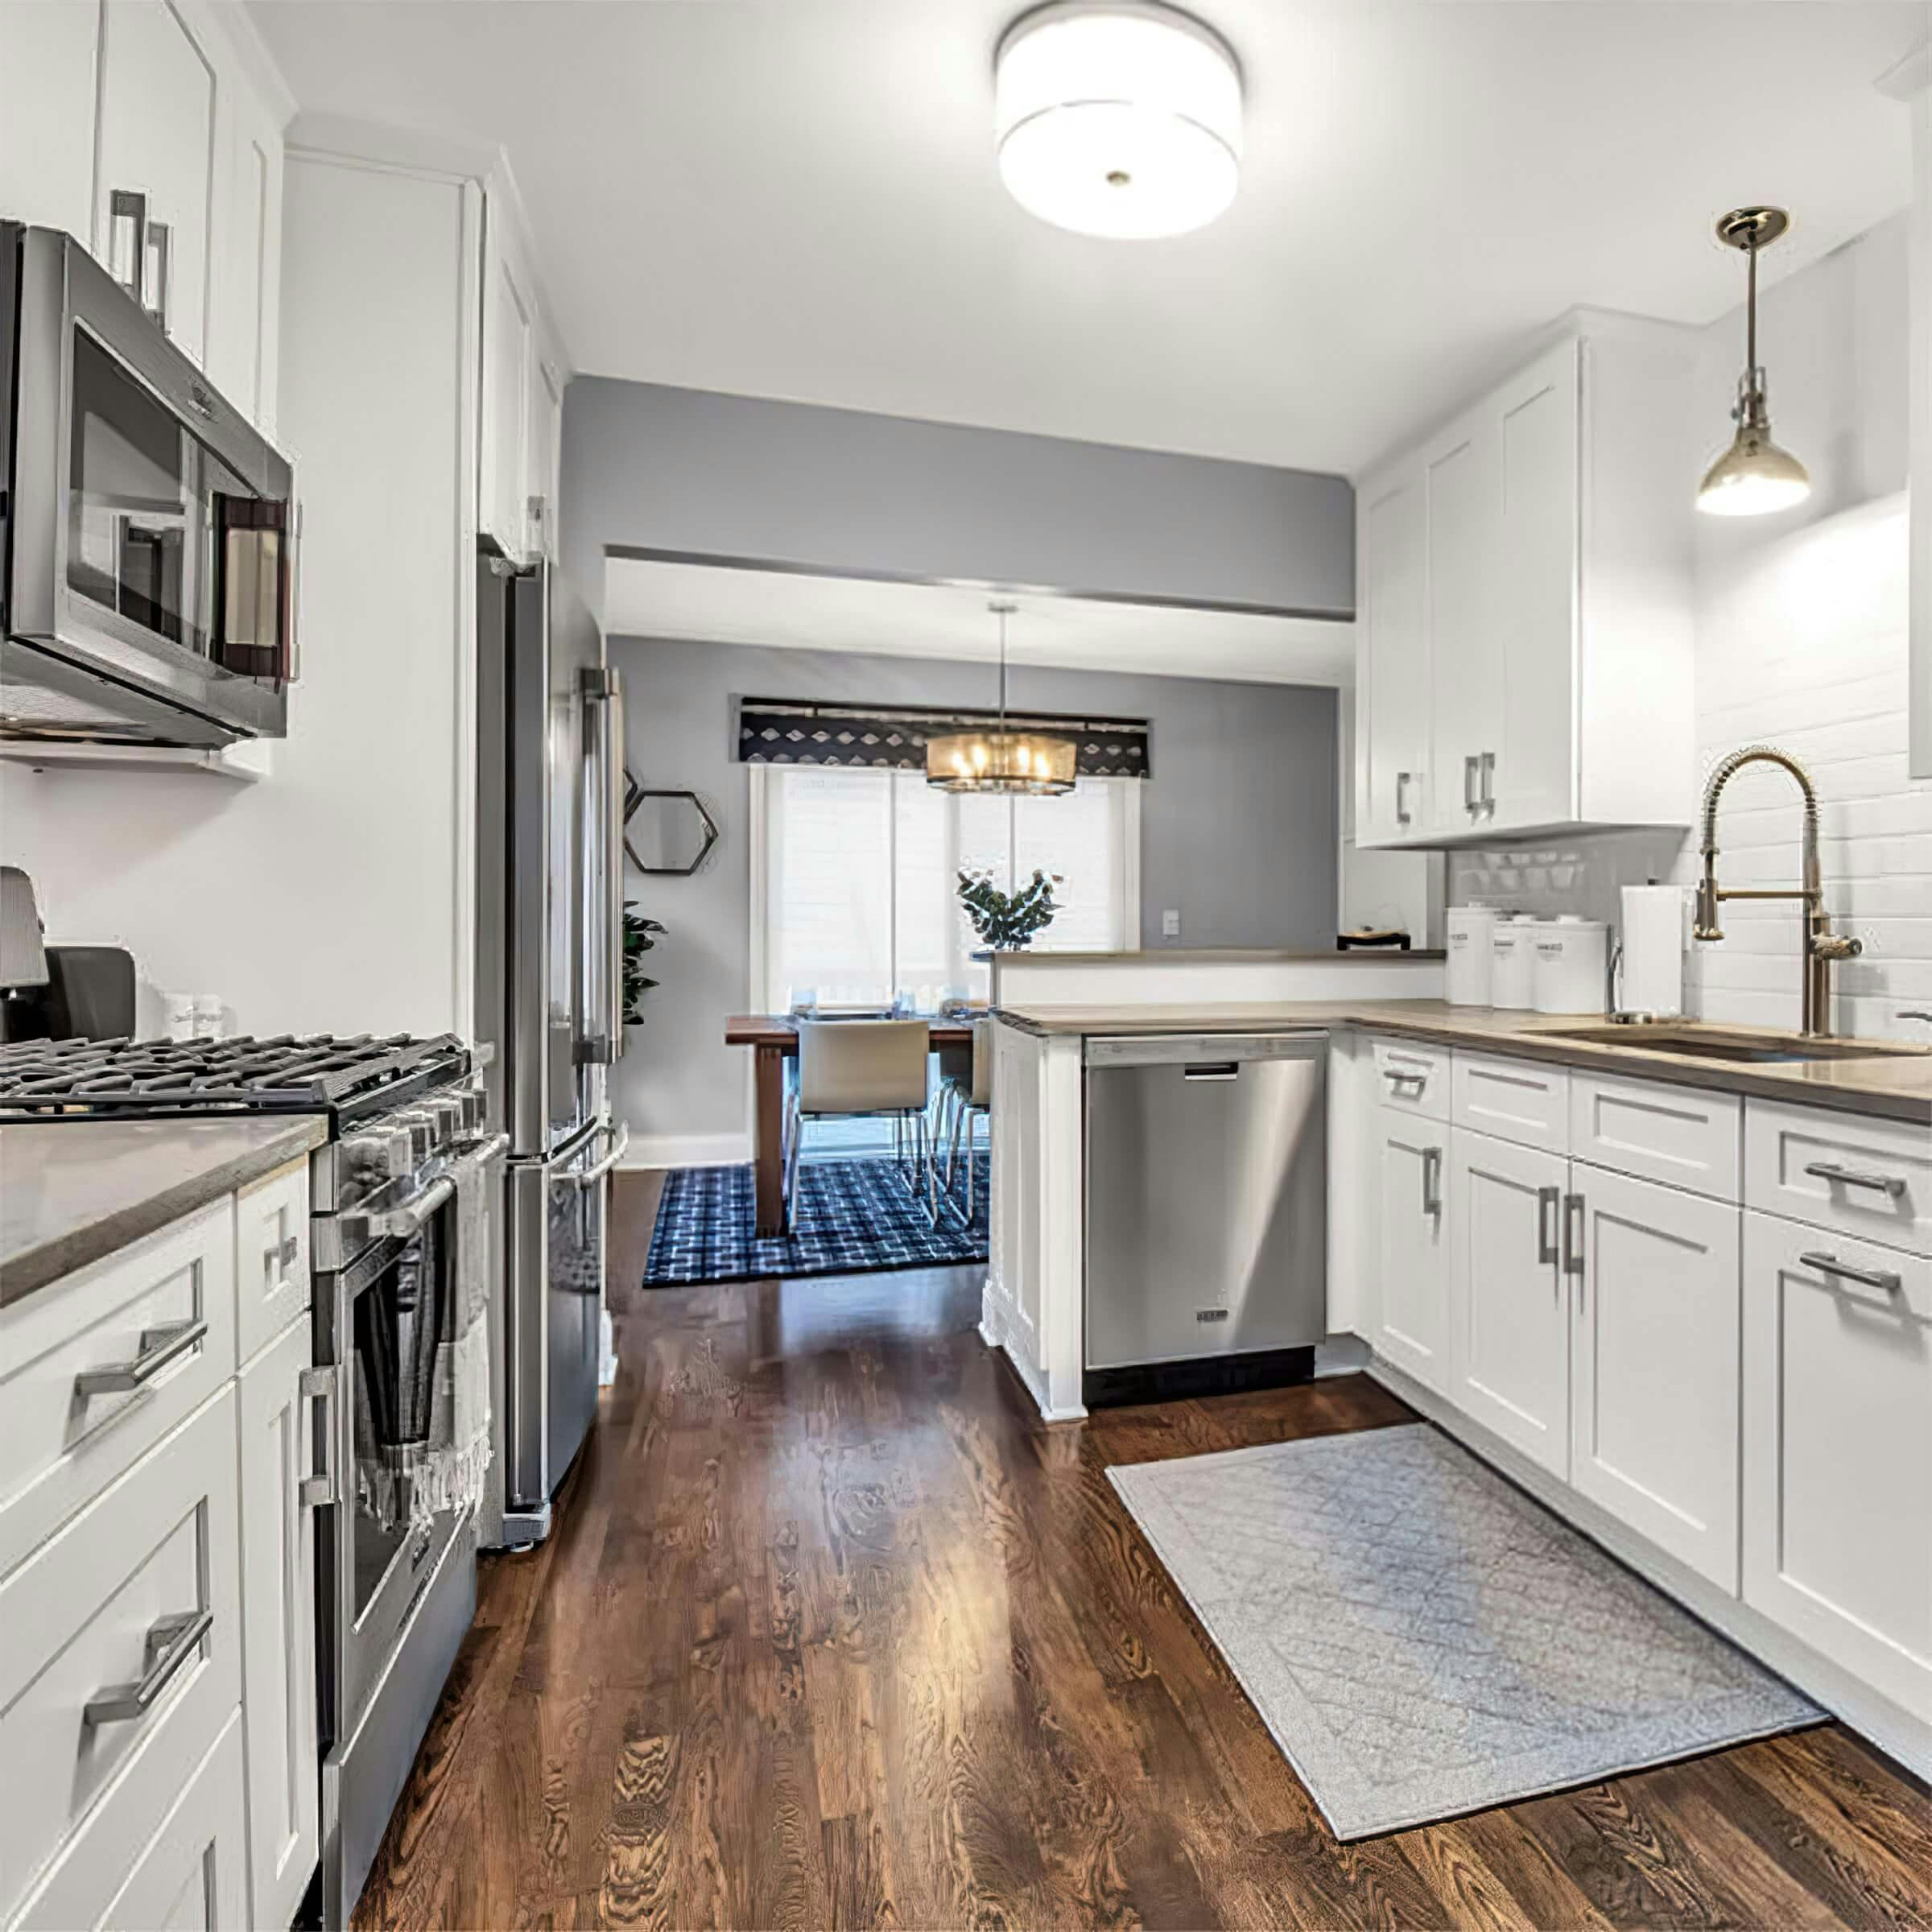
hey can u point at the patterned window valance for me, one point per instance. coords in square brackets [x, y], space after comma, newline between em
[776, 731]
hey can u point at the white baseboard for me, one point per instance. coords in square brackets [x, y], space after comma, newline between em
[686, 1150]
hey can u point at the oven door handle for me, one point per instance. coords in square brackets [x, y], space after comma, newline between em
[402, 1223]
[619, 1145]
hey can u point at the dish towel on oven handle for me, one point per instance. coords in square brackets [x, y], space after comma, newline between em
[447, 1471]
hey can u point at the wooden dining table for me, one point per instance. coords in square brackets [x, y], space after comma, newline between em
[774, 1039]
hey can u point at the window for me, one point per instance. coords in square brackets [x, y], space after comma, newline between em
[857, 900]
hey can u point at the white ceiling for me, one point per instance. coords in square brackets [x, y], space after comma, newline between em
[799, 198]
[713, 605]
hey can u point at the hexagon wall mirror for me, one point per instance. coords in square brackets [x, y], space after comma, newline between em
[665, 832]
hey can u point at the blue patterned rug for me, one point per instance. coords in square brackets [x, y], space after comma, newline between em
[854, 1216]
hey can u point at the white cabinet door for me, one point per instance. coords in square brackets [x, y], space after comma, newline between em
[543, 448]
[1509, 1341]
[245, 269]
[47, 113]
[1392, 694]
[1532, 739]
[156, 139]
[1465, 660]
[277, 1536]
[509, 357]
[1838, 1440]
[1412, 1254]
[1655, 1380]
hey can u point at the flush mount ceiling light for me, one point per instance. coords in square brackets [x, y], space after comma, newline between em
[1117, 118]
[1753, 476]
[1037, 763]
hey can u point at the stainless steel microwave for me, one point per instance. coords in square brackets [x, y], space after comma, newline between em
[148, 533]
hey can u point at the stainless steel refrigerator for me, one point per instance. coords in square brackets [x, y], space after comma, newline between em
[550, 997]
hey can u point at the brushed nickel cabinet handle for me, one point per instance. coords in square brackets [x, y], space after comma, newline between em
[1402, 797]
[158, 1347]
[171, 1643]
[1470, 798]
[1881, 1278]
[1888, 1184]
[1573, 1234]
[1488, 766]
[318, 1386]
[1432, 1180]
[1547, 1199]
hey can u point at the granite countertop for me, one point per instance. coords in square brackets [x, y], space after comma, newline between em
[1224, 955]
[72, 1191]
[1892, 1080]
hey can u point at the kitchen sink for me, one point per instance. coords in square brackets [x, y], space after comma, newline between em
[1762, 1049]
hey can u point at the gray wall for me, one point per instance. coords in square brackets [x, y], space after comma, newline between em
[1238, 828]
[834, 489]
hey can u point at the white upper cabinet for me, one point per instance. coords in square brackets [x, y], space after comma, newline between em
[1525, 605]
[157, 155]
[1391, 760]
[48, 87]
[520, 436]
[151, 131]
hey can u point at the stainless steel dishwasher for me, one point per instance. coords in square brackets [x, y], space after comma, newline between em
[1206, 1212]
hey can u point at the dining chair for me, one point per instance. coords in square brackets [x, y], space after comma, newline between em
[969, 1092]
[850, 1067]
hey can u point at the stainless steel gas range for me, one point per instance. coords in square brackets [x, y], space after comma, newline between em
[390, 1243]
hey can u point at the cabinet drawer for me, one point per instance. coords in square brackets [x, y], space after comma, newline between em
[1513, 1100]
[108, 1615]
[271, 1257]
[189, 1874]
[1412, 1077]
[133, 1314]
[1677, 1135]
[1868, 1178]
[1838, 1438]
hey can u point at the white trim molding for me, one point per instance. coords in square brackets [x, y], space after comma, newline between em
[649, 1151]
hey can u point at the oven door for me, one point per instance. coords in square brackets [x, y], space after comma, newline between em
[150, 541]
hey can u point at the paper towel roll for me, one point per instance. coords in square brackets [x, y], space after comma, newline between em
[1654, 949]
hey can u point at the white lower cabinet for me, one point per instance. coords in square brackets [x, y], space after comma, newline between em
[190, 1878]
[1654, 1379]
[275, 1435]
[1509, 1345]
[1412, 1253]
[1838, 1446]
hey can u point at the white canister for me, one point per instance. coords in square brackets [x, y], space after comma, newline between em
[1471, 929]
[1572, 964]
[1512, 961]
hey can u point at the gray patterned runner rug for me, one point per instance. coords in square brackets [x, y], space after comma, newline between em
[1423, 1639]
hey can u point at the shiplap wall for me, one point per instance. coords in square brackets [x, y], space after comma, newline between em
[1802, 645]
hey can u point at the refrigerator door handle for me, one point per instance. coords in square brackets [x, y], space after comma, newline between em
[619, 1145]
[602, 1018]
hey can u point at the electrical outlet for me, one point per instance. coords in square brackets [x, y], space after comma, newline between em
[1170, 923]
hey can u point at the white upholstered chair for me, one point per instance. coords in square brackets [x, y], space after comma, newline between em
[847, 1068]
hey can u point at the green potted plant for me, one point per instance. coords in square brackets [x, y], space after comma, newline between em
[1006, 921]
[640, 935]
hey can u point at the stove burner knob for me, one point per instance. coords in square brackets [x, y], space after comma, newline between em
[447, 1113]
[376, 1157]
[475, 1109]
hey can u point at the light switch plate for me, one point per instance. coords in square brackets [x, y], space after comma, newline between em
[1170, 924]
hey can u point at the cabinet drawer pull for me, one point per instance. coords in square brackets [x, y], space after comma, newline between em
[1400, 1076]
[127, 239]
[1547, 1198]
[1888, 1184]
[158, 1347]
[1487, 765]
[171, 1643]
[1470, 765]
[280, 1257]
[1573, 1234]
[1402, 797]
[1881, 1278]
[1432, 1180]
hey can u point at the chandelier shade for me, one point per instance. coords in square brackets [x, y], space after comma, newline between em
[1036, 763]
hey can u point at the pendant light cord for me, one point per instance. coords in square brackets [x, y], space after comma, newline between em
[1751, 314]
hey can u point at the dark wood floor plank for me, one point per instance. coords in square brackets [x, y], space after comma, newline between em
[832, 1632]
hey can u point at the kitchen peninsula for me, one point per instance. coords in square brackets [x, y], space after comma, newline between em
[1680, 1289]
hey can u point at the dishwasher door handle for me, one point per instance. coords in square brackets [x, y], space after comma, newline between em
[1216, 1069]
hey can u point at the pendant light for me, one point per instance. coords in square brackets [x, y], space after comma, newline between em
[1117, 118]
[1038, 763]
[1753, 476]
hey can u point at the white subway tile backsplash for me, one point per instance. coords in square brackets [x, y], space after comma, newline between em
[1801, 645]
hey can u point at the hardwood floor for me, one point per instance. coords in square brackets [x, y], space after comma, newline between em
[832, 1632]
